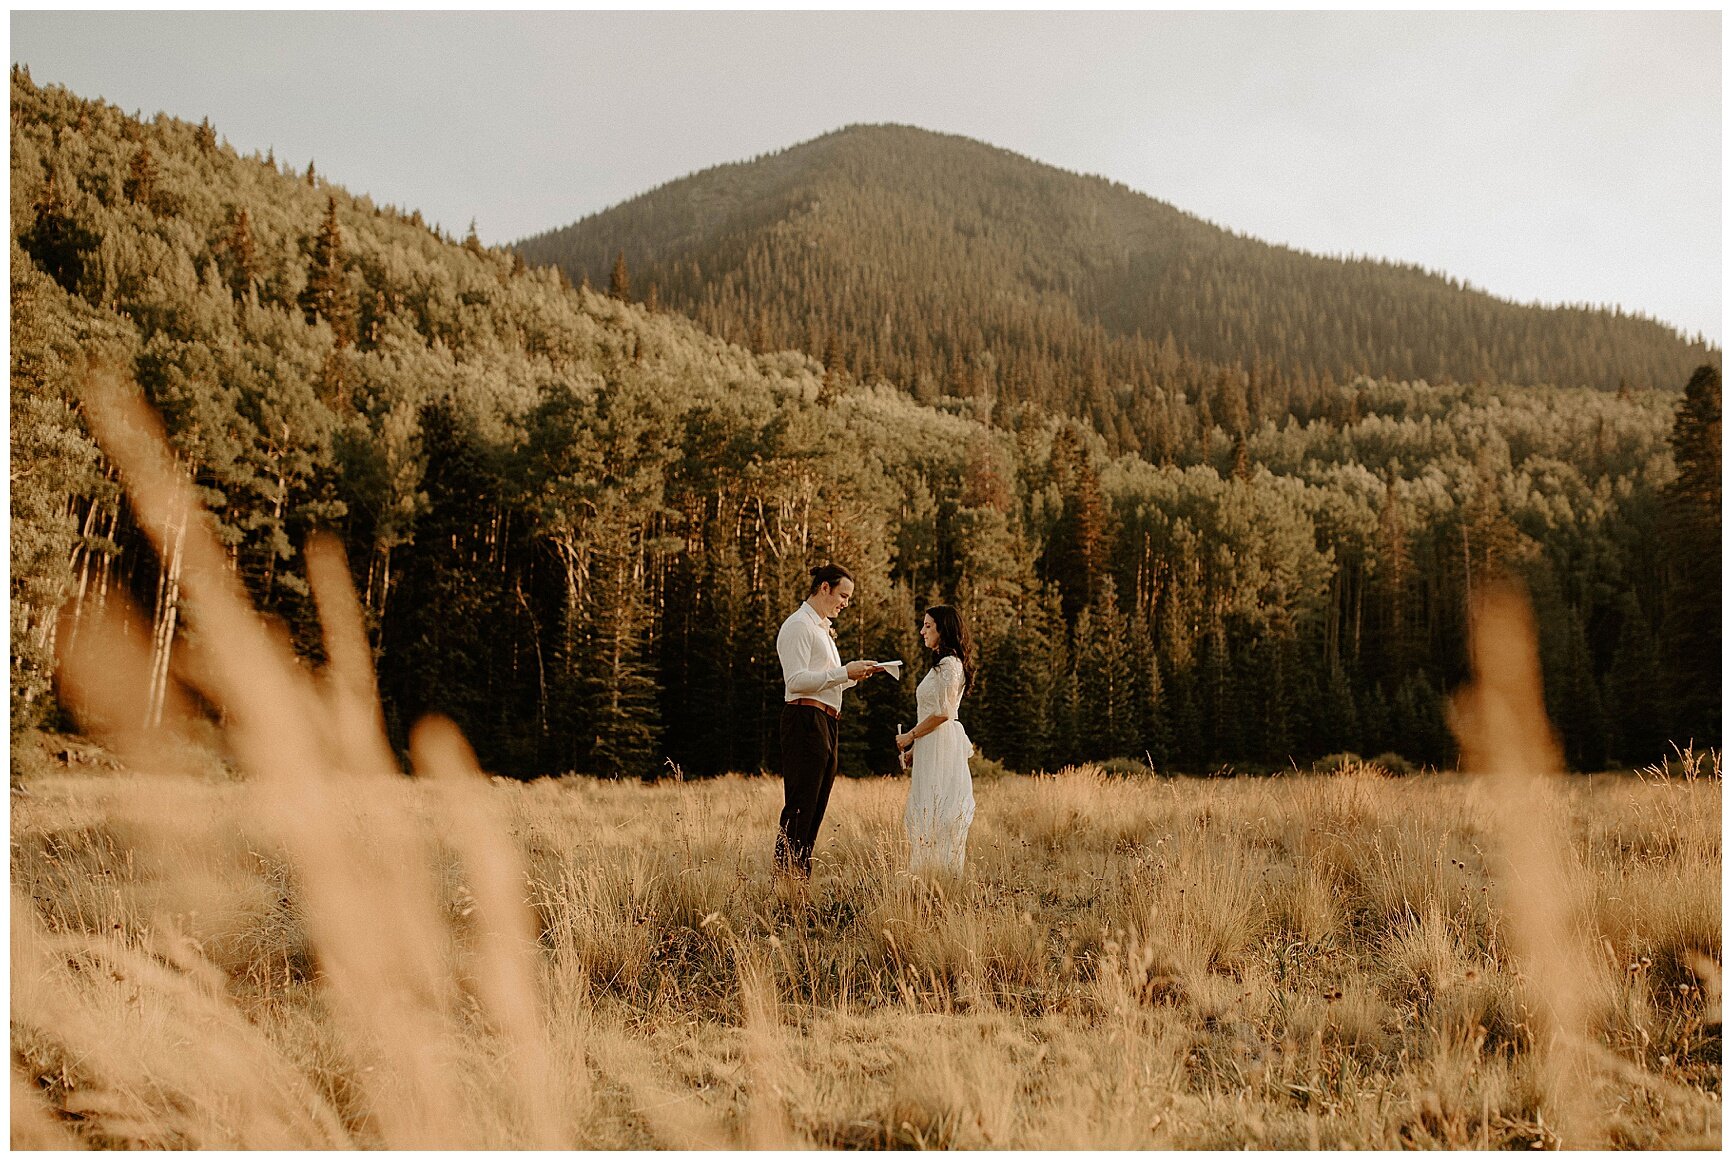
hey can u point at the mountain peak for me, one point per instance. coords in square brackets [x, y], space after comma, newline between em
[896, 250]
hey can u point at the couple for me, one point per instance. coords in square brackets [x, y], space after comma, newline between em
[941, 797]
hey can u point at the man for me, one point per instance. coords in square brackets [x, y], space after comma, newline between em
[813, 679]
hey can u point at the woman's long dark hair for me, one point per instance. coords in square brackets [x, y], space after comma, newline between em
[953, 641]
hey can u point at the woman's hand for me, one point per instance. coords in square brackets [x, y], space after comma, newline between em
[905, 739]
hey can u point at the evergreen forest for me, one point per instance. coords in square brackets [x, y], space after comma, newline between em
[949, 267]
[576, 516]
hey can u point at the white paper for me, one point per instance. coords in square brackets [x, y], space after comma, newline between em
[893, 668]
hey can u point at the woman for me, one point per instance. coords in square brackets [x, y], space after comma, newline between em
[941, 797]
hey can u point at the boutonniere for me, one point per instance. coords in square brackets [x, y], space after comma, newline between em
[830, 629]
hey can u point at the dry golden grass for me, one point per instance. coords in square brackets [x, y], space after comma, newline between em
[1293, 962]
[298, 947]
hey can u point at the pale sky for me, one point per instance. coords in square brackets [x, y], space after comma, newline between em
[1543, 156]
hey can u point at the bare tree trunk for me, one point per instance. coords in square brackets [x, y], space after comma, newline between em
[1358, 606]
[1332, 623]
[571, 557]
[1467, 573]
[43, 622]
[385, 585]
[166, 619]
[81, 553]
[271, 550]
[105, 567]
[378, 580]
[540, 660]
[372, 587]
[87, 563]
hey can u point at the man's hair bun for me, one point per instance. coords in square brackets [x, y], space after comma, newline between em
[826, 574]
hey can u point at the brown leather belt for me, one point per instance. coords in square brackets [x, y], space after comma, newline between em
[816, 704]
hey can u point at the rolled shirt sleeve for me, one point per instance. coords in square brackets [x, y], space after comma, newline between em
[806, 668]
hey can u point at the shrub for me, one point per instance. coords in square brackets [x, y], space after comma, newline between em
[1395, 764]
[1127, 768]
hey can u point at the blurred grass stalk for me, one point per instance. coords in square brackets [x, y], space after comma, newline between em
[324, 784]
[1506, 738]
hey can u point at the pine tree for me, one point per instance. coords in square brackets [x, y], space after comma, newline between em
[619, 282]
[140, 185]
[1273, 657]
[1070, 719]
[437, 651]
[882, 622]
[1085, 716]
[56, 240]
[472, 240]
[1391, 587]
[1014, 698]
[1422, 733]
[1338, 727]
[1215, 694]
[958, 380]
[1238, 718]
[1078, 551]
[328, 295]
[1389, 724]
[983, 480]
[1021, 687]
[1691, 627]
[1636, 688]
[618, 683]
[241, 254]
[722, 654]
[1106, 681]
[1153, 737]
[1232, 407]
[831, 359]
[1488, 536]
[1573, 698]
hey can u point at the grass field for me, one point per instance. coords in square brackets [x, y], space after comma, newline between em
[1296, 962]
[296, 946]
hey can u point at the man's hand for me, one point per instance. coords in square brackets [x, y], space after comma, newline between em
[860, 670]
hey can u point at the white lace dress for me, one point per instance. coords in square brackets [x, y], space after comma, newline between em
[941, 796]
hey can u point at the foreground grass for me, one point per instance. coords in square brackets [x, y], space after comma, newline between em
[1294, 962]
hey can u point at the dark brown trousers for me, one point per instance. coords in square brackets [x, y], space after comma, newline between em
[809, 759]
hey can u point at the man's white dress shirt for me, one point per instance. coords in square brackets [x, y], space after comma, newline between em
[811, 667]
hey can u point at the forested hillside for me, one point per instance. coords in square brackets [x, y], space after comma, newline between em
[947, 266]
[576, 522]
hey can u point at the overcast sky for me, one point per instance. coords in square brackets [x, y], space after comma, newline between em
[1552, 156]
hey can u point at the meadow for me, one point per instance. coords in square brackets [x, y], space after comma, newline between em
[237, 924]
[1306, 961]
